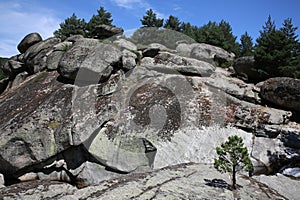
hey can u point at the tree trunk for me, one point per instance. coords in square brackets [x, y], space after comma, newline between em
[233, 178]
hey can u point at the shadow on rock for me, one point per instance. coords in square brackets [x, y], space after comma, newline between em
[219, 183]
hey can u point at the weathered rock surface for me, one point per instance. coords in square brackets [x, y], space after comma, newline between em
[282, 91]
[281, 184]
[151, 52]
[183, 65]
[3, 84]
[93, 59]
[245, 69]
[19, 79]
[13, 67]
[124, 116]
[205, 52]
[125, 44]
[233, 86]
[105, 31]
[36, 56]
[128, 59]
[74, 38]
[185, 181]
[28, 41]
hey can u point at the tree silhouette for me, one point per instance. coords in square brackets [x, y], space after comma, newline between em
[71, 26]
[150, 20]
[102, 17]
[246, 46]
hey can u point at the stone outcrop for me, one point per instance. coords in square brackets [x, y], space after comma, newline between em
[105, 31]
[282, 91]
[185, 181]
[122, 43]
[36, 56]
[245, 69]
[182, 65]
[28, 41]
[127, 122]
[206, 52]
[93, 58]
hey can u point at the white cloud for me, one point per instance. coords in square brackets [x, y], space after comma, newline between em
[176, 7]
[161, 15]
[17, 22]
[130, 4]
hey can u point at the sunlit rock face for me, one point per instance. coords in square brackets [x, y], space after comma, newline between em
[87, 112]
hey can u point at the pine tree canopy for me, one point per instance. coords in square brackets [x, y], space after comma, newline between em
[246, 46]
[102, 17]
[277, 52]
[232, 157]
[71, 26]
[150, 20]
[173, 23]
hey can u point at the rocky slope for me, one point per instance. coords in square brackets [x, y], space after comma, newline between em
[116, 116]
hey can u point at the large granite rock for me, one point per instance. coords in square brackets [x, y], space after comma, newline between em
[125, 44]
[207, 53]
[164, 111]
[245, 69]
[282, 91]
[35, 58]
[185, 181]
[184, 65]
[233, 86]
[13, 67]
[28, 41]
[105, 31]
[129, 59]
[94, 60]
[58, 51]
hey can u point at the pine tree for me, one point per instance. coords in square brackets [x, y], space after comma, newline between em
[228, 40]
[150, 20]
[246, 46]
[173, 23]
[71, 26]
[232, 157]
[277, 51]
[102, 17]
[292, 50]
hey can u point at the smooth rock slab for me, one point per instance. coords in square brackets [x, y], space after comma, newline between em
[186, 181]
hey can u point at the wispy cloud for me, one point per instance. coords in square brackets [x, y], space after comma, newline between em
[176, 7]
[130, 4]
[161, 15]
[17, 21]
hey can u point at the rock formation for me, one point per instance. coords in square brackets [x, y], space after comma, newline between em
[109, 113]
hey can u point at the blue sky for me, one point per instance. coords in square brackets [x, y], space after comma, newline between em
[20, 17]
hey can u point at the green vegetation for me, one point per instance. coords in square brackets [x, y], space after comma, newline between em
[173, 23]
[102, 17]
[53, 124]
[71, 26]
[74, 26]
[233, 156]
[277, 52]
[246, 46]
[150, 20]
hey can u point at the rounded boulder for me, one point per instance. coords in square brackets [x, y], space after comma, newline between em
[28, 41]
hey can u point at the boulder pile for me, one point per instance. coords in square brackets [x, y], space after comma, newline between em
[108, 112]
